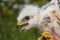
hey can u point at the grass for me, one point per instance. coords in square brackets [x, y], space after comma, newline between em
[8, 31]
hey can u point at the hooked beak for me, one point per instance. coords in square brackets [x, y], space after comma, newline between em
[23, 24]
[18, 24]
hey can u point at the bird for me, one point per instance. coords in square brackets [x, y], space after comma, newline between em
[46, 18]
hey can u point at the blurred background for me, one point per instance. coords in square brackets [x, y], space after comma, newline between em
[9, 10]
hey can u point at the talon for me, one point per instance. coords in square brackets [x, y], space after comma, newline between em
[46, 36]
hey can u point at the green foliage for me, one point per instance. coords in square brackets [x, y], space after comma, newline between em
[8, 20]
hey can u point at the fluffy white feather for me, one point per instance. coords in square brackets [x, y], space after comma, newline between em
[43, 18]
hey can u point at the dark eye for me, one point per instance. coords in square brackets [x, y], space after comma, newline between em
[27, 17]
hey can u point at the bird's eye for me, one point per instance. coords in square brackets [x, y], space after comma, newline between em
[27, 17]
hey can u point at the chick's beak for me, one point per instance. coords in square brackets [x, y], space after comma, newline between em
[19, 23]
